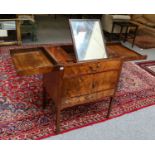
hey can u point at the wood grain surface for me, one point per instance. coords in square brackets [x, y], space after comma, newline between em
[69, 83]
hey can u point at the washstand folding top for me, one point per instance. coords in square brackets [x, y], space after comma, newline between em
[69, 81]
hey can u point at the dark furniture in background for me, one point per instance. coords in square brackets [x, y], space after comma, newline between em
[7, 16]
[25, 24]
[14, 36]
[130, 30]
[29, 27]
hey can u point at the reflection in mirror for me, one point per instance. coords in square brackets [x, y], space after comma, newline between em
[87, 39]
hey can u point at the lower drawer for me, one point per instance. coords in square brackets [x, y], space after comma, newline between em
[69, 102]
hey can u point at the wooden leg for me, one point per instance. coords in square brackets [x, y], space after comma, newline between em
[110, 106]
[126, 34]
[57, 120]
[135, 33]
[18, 32]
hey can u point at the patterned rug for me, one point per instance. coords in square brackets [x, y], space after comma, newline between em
[148, 66]
[22, 116]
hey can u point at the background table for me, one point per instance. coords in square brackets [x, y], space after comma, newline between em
[130, 30]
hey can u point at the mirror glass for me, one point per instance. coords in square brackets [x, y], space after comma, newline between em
[87, 39]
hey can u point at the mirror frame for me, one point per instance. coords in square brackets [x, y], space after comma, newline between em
[74, 43]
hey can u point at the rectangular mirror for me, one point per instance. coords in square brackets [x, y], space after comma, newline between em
[87, 39]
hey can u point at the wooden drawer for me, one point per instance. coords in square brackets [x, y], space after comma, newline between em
[91, 67]
[68, 102]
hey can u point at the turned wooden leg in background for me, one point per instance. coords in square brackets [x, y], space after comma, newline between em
[110, 106]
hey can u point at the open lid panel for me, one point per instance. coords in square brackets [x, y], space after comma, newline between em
[29, 61]
[40, 60]
[117, 50]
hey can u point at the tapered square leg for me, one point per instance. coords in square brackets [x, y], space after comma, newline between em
[57, 120]
[110, 107]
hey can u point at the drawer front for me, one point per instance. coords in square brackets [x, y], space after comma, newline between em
[90, 83]
[87, 68]
[68, 102]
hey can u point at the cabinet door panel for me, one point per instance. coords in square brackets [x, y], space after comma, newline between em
[105, 80]
[77, 86]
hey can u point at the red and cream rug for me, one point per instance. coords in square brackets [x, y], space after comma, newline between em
[22, 116]
[148, 66]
